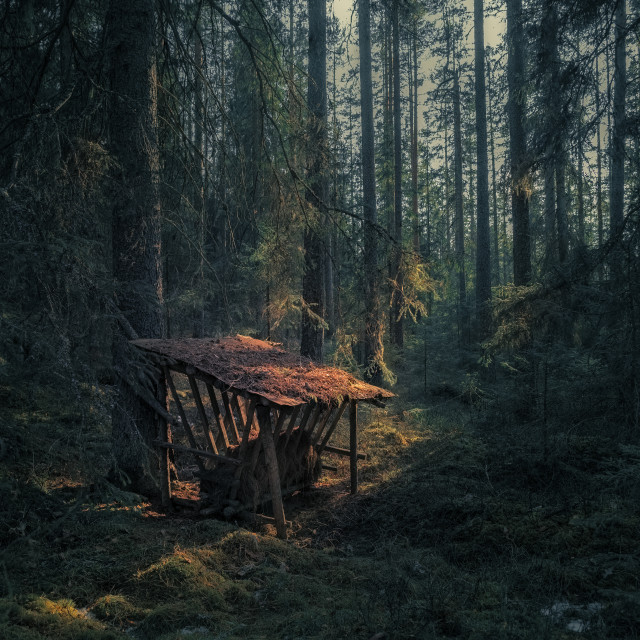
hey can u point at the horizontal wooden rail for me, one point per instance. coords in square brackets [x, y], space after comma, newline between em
[343, 452]
[197, 452]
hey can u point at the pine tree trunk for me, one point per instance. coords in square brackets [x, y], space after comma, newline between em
[520, 179]
[312, 339]
[483, 247]
[397, 332]
[458, 206]
[374, 326]
[133, 144]
[618, 134]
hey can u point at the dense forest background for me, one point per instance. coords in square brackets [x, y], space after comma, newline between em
[378, 185]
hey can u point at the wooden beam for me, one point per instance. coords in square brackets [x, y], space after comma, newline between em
[282, 416]
[222, 440]
[201, 412]
[305, 416]
[333, 426]
[308, 428]
[182, 414]
[235, 406]
[243, 447]
[353, 444]
[339, 451]
[292, 421]
[230, 421]
[164, 434]
[264, 422]
[199, 453]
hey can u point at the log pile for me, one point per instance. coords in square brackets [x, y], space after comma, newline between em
[225, 494]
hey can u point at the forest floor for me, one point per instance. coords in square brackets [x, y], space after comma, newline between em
[463, 528]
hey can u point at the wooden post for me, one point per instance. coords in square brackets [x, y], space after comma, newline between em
[230, 421]
[292, 421]
[248, 418]
[353, 444]
[202, 413]
[331, 429]
[181, 413]
[264, 421]
[165, 460]
[222, 440]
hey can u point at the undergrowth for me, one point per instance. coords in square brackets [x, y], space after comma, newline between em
[466, 526]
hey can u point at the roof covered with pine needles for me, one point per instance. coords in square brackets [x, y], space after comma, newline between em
[263, 368]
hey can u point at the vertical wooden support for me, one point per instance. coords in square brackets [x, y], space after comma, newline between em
[305, 416]
[228, 418]
[264, 421]
[353, 444]
[282, 416]
[332, 427]
[165, 459]
[203, 416]
[308, 428]
[292, 420]
[322, 424]
[222, 440]
[243, 446]
[239, 411]
[183, 417]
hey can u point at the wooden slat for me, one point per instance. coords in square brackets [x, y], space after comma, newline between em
[322, 423]
[292, 421]
[182, 414]
[308, 428]
[344, 452]
[199, 453]
[164, 434]
[229, 419]
[235, 406]
[264, 422]
[203, 416]
[222, 440]
[333, 426]
[282, 416]
[353, 444]
[305, 416]
[243, 446]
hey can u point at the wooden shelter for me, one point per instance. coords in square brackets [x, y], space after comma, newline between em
[267, 415]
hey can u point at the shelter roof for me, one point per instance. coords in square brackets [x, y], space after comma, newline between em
[264, 369]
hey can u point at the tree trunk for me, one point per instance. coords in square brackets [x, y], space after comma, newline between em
[312, 342]
[520, 178]
[397, 332]
[458, 205]
[494, 187]
[374, 326]
[483, 249]
[413, 57]
[618, 134]
[133, 144]
[599, 170]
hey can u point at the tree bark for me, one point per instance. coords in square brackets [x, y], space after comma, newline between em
[520, 178]
[133, 144]
[483, 250]
[374, 327]
[396, 330]
[312, 342]
[618, 133]
[458, 205]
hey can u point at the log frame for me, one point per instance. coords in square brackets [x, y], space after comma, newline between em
[271, 459]
[353, 445]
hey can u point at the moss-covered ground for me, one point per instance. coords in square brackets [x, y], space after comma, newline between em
[464, 528]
